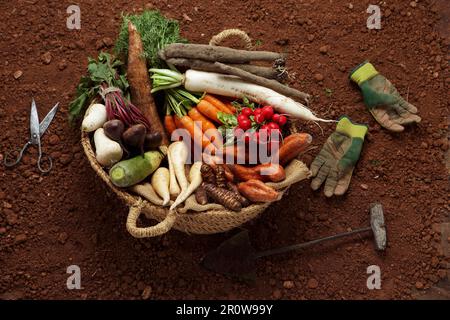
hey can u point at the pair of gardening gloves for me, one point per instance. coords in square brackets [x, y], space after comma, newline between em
[336, 161]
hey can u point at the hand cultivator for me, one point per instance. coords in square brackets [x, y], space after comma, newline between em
[237, 258]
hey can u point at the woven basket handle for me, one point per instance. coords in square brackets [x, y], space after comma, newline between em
[153, 231]
[218, 38]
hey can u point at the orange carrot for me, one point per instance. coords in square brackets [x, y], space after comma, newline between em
[217, 103]
[197, 116]
[231, 107]
[196, 133]
[208, 127]
[208, 110]
[169, 124]
[177, 122]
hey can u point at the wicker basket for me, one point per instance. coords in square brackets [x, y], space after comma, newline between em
[206, 222]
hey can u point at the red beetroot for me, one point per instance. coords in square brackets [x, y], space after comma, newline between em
[118, 107]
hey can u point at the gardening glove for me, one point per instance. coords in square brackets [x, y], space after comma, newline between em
[337, 159]
[383, 101]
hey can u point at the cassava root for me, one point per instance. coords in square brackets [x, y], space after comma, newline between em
[271, 84]
[216, 53]
[279, 74]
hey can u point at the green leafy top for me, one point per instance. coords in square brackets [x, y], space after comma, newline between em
[156, 32]
[229, 120]
[105, 70]
[246, 103]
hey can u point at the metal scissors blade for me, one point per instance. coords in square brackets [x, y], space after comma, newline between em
[34, 125]
[47, 120]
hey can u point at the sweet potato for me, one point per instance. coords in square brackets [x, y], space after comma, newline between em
[262, 172]
[271, 172]
[243, 173]
[257, 191]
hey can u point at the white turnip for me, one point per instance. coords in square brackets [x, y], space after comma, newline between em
[107, 151]
[94, 118]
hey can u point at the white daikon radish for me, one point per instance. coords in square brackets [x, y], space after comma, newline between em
[231, 86]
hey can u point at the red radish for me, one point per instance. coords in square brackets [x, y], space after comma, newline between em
[267, 112]
[257, 111]
[273, 126]
[276, 117]
[282, 120]
[241, 117]
[259, 118]
[245, 123]
[247, 112]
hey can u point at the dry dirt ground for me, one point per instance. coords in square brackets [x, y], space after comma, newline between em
[69, 218]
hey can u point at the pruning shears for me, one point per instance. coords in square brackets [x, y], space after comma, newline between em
[37, 130]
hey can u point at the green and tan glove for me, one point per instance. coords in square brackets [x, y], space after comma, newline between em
[336, 161]
[382, 99]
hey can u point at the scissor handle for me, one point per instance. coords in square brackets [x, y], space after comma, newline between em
[8, 163]
[44, 156]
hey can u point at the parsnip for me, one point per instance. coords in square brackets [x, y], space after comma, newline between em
[146, 190]
[179, 153]
[174, 188]
[195, 177]
[160, 182]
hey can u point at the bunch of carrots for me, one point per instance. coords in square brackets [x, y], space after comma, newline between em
[185, 115]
